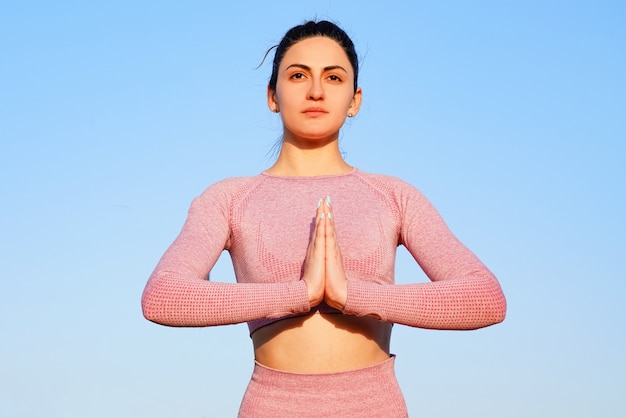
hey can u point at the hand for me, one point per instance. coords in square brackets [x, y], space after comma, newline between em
[314, 266]
[336, 284]
[323, 274]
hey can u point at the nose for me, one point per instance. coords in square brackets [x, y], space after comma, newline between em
[316, 90]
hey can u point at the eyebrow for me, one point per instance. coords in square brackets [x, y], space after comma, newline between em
[307, 68]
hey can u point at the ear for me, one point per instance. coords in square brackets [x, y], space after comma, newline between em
[355, 105]
[272, 103]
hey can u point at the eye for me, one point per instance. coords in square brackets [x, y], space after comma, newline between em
[335, 78]
[296, 76]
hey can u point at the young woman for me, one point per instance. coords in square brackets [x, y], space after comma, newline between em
[313, 243]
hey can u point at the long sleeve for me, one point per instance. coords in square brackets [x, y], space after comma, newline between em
[178, 292]
[463, 293]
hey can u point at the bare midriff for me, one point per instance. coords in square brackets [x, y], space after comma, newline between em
[322, 343]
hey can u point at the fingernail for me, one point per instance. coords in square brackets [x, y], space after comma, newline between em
[330, 215]
[328, 200]
[319, 202]
[322, 216]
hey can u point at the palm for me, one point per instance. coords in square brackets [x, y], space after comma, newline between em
[323, 269]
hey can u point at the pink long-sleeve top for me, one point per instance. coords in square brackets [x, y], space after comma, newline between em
[265, 223]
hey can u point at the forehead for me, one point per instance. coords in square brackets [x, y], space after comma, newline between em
[317, 51]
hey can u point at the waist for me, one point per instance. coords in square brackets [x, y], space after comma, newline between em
[322, 343]
[371, 391]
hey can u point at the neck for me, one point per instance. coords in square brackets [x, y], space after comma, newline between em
[322, 160]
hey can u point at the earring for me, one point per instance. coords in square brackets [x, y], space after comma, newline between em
[275, 110]
[350, 115]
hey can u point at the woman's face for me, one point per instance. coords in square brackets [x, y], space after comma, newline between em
[314, 90]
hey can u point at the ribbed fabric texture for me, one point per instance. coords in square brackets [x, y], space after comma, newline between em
[265, 222]
[371, 392]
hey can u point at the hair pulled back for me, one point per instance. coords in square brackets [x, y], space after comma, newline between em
[312, 29]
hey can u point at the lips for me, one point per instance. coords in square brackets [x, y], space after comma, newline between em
[315, 111]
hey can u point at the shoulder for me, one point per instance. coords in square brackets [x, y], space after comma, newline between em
[230, 185]
[227, 190]
[407, 199]
[387, 184]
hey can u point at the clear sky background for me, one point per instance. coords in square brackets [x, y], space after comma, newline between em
[509, 116]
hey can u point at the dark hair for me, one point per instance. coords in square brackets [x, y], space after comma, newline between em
[311, 29]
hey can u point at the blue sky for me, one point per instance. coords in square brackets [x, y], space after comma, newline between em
[509, 116]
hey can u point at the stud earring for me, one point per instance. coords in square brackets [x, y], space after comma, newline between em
[350, 115]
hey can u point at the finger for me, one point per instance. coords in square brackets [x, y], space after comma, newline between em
[328, 210]
[327, 205]
[321, 208]
[330, 221]
[314, 268]
[335, 287]
[317, 237]
[316, 221]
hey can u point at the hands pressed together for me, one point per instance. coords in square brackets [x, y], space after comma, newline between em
[324, 275]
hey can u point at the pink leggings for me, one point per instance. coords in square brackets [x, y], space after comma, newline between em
[369, 392]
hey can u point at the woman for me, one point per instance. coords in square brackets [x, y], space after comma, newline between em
[316, 283]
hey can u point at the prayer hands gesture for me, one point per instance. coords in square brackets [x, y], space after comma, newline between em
[324, 275]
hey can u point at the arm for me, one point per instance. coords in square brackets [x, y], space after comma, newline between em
[178, 292]
[463, 294]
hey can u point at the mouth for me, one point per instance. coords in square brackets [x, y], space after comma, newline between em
[314, 111]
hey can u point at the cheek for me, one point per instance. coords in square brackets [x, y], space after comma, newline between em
[285, 100]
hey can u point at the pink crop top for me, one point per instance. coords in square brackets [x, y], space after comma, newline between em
[265, 223]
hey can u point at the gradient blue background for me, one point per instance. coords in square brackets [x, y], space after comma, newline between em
[509, 116]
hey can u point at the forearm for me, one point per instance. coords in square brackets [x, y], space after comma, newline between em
[467, 303]
[180, 302]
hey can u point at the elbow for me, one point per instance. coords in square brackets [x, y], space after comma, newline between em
[149, 309]
[153, 313]
[489, 307]
[501, 311]
[498, 314]
[149, 314]
[152, 305]
[492, 314]
[496, 305]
